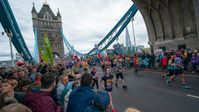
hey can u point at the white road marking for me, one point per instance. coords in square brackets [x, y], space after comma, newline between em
[193, 96]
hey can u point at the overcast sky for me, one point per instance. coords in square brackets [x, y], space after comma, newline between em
[84, 23]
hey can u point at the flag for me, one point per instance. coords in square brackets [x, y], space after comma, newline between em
[116, 46]
[48, 48]
[97, 51]
[40, 55]
[98, 55]
[43, 55]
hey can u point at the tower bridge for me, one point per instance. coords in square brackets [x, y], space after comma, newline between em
[170, 24]
[45, 21]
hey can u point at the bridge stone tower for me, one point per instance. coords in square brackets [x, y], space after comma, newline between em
[171, 23]
[46, 21]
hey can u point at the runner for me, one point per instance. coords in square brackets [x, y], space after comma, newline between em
[136, 63]
[107, 84]
[119, 74]
[95, 77]
[178, 70]
[103, 65]
[85, 65]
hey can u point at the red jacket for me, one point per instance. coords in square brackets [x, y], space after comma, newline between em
[39, 101]
[164, 61]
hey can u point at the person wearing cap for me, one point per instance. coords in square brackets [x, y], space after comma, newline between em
[101, 102]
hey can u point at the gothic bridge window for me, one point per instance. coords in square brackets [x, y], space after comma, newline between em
[47, 16]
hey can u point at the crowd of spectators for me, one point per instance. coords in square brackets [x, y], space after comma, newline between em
[159, 59]
[51, 88]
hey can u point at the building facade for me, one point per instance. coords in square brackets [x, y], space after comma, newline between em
[46, 21]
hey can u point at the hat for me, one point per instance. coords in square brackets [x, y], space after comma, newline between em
[20, 63]
[101, 100]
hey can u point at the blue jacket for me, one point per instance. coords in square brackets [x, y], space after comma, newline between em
[194, 60]
[92, 109]
[101, 102]
[80, 98]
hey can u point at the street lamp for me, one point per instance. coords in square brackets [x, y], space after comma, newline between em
[133, 34]
[9, 34]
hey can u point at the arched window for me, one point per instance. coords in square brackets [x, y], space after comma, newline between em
[47, 16]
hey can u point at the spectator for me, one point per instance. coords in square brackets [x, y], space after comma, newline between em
[8, 95]
[81, 97]
[15, 107]
[1, 79]
[40, 100]
[185, 62]
[194, 62]
[24, 85]
[146, 62]
[152, 61]
[101, 102]
[21, 73]
[64, 89]
[197, 61]
[8, 87]
[131, 110]
[61, 85]
[6, 101]
[2, 71]
[32, 74]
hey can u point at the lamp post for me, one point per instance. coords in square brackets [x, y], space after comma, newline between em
[9, 34]
[134, 35]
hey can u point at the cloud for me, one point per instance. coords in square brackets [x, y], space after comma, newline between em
[84, 23]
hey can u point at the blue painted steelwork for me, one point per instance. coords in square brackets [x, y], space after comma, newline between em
[118, 28]
[69, 47]
[36, 49]
[123, 26]
[10, 26]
